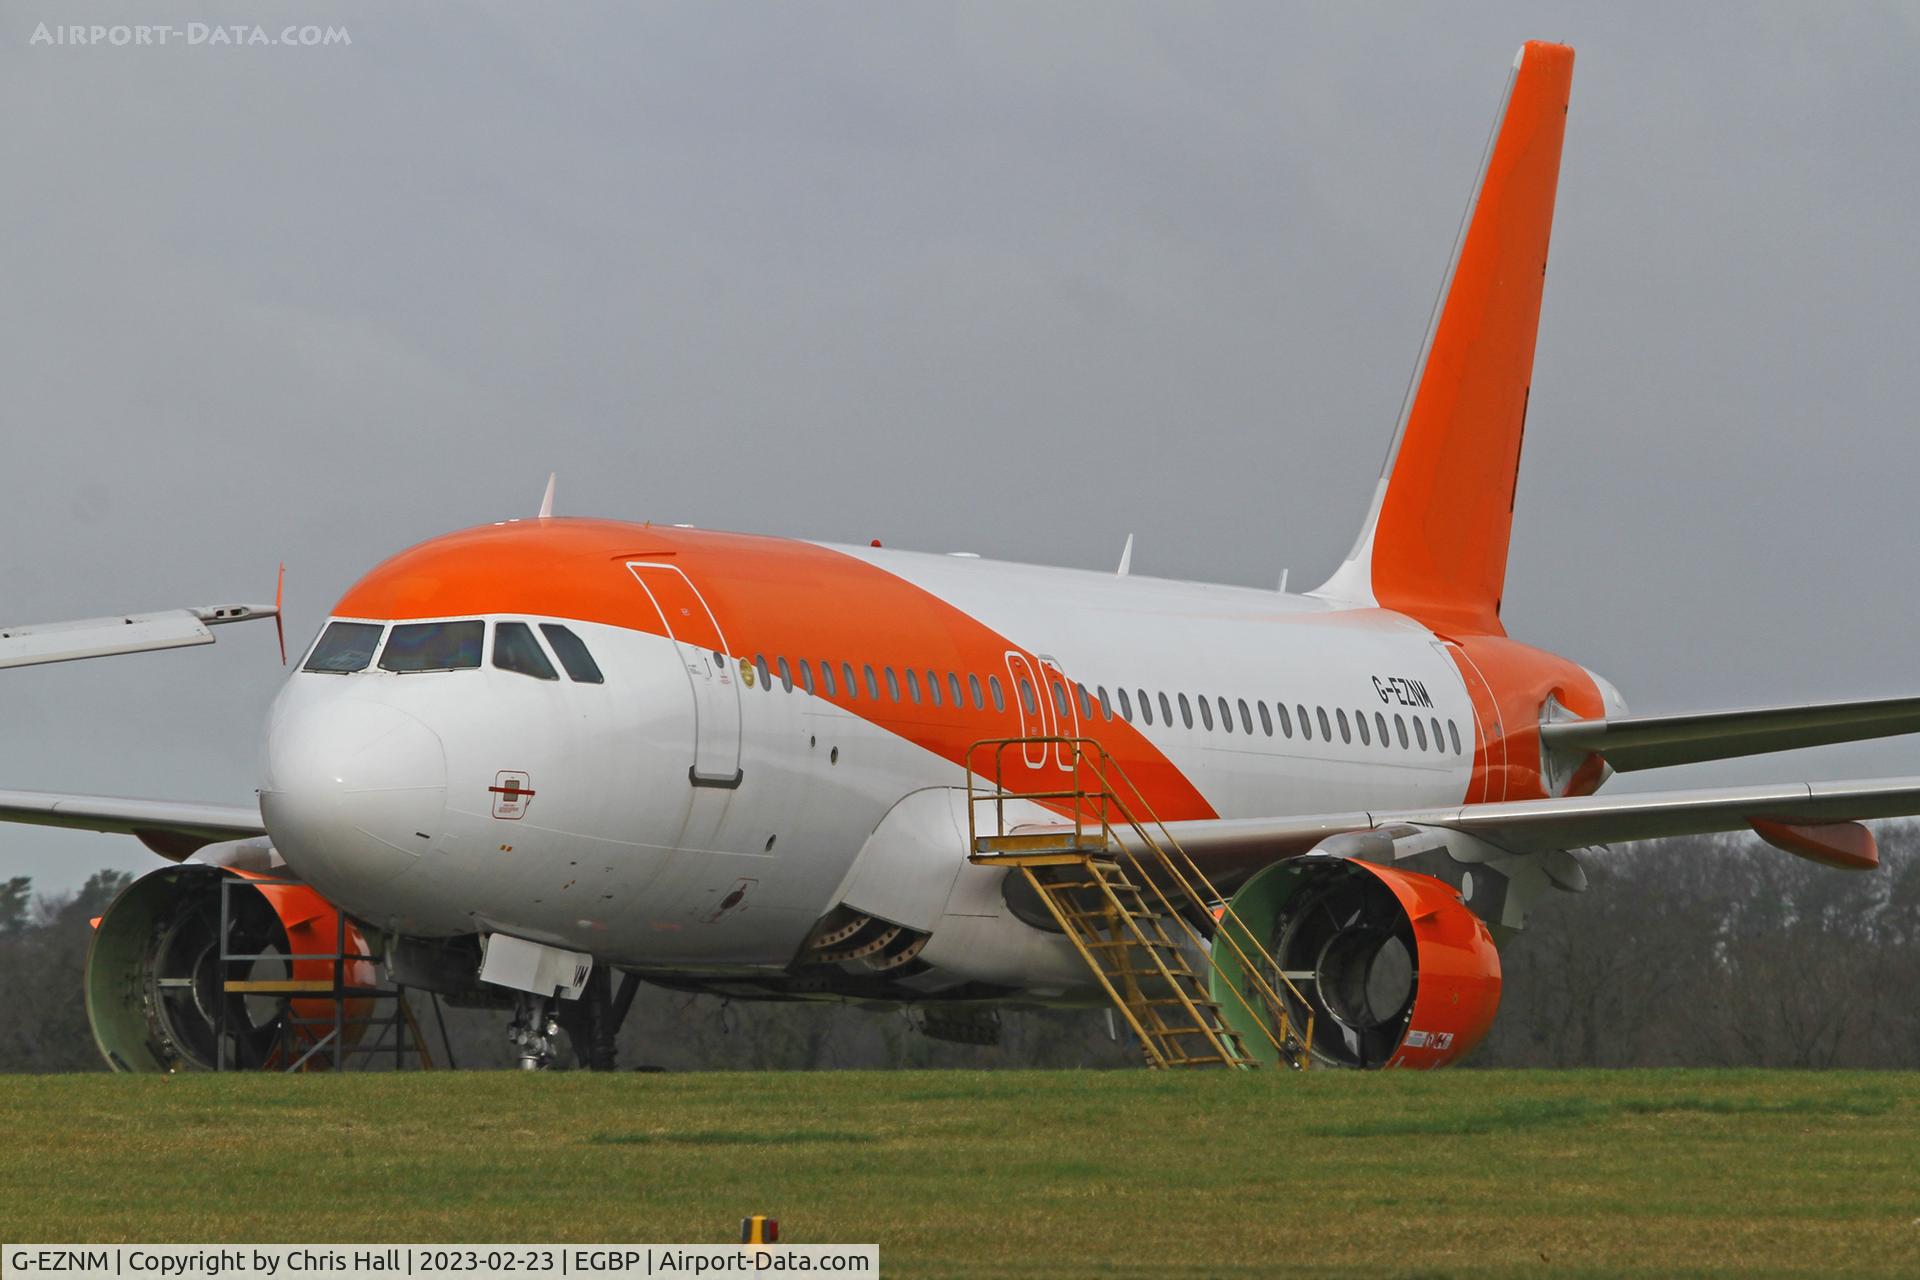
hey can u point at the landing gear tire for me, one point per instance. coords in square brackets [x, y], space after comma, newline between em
[593, 1022]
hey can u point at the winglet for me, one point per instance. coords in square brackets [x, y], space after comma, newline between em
[279, 619]
[546, 503]
[1434, 545]
[1126, 558]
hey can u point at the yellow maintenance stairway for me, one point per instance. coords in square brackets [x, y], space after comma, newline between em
[1135, 907]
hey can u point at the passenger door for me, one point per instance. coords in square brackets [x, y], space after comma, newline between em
[703, 650]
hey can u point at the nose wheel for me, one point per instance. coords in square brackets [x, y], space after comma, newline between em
[534, 1030]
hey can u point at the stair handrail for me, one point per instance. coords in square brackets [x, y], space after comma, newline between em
[1090, 754]
[1256, 972]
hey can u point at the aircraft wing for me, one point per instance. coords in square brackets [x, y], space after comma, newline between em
[170, 828]
[128, 633]
[1653, 742]
[1814, 820]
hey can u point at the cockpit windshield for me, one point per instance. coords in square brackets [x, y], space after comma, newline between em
[344, 647]
[434, 646]
[573, 655]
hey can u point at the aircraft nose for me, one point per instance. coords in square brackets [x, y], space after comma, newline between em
[354, 792]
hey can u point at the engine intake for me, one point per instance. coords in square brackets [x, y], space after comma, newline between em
[156, 982]
[1396, 970]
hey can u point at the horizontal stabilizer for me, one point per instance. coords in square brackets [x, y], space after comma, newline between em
[1654, 742]
[170, 828]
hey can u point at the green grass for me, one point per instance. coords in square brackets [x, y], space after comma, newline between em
[1008, 1173]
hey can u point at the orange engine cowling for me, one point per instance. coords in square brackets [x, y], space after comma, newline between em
[1396, 970]
[159, 968]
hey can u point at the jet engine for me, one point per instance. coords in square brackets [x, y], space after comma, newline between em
[159, 968]
[1394, 968]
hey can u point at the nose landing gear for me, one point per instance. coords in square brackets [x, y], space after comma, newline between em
[533, 1030]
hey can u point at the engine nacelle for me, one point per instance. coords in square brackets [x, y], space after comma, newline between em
[1397, 971]
[156, 984]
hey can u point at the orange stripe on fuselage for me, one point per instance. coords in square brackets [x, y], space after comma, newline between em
[769, 595]
[1509, 683]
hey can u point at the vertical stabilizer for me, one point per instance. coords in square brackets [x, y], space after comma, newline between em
[1435, 542]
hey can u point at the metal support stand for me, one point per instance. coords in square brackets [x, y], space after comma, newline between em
[337, 1037]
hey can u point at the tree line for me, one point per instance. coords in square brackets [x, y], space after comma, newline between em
[1708, 951]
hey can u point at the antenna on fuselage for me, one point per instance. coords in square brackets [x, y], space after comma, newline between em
[1126, 557]
[546, 503]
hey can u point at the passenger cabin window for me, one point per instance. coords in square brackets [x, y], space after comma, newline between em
[999, 695]
[1126, 707]
[806, 675]
[434, 646]
[1166, 711]
[1380, 723]
[1453, 735]
[1206, 712]
[873, 686]
[1360, 723]
[973, 687]
[953, 691]
[847, 681]
[893, 684]
[1326, 729]
[1246, 719]
[579, 664]
[1060, 701]
[1400, 727]
[1346, 735]
[344, 647]
[760, 665]
[1226, 716]
[1286, 719]
[786, 676]
[1186, 711]
[515, 649]
[826, 680]
[1420, 733]
[1306, 725]
[1266, 721]
[1086, 704]
[1027, 699]
[913, 684]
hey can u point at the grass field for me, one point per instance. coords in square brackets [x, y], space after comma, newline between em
[1007, 1173]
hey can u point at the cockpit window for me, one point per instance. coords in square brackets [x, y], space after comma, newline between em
[515, 649]
[344, 647]
[433, 646]
[573, 655]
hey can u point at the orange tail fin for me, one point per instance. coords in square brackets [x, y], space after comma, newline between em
[1435, 542]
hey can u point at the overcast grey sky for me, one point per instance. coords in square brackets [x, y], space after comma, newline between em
[1015, 279]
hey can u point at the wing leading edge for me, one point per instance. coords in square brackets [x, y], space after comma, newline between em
[128, 633]
[1812, 820]
[170, 828]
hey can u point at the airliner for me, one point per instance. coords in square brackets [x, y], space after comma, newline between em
[524, 757]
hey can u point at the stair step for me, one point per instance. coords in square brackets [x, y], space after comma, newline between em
[1125, 911]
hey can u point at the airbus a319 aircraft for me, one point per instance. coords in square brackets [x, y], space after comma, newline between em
[527, 755]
